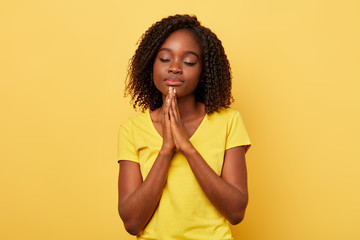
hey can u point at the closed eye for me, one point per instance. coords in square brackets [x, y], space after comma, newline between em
[164, 60]
[190, 63]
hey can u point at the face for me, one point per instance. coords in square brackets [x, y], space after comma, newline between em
[178, 64]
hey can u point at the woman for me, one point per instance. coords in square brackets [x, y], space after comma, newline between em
[182, 161]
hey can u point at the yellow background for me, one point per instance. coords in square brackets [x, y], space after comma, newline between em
[296, 80]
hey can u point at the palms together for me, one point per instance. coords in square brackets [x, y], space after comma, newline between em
[174, 133]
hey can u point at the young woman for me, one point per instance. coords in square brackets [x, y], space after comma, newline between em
[182, 160]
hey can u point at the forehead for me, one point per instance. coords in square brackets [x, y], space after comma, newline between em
[182, 40]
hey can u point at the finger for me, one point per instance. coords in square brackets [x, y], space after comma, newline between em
[171, 115]
[176, 109]
[168, 103]
[165, 103]
[171, 93]
[166, 124]
[165, 118]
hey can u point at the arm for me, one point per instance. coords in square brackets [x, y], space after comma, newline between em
[227, 193]
[138, 199]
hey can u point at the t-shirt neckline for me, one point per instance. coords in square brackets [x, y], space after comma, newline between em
[147, 113]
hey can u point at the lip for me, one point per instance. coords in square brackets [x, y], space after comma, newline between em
[173, 82]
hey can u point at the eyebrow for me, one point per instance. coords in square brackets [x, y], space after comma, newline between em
[186, 52]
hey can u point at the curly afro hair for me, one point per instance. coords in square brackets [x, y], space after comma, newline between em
[215, 88]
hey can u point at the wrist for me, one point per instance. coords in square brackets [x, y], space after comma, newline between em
[186, 148]
[167, 151]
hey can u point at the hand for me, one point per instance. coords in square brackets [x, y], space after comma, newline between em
[180, 137]
[168, 142]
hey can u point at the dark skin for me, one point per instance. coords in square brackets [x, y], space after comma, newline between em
[177, 72]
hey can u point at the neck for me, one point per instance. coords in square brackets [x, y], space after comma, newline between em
[188, 106]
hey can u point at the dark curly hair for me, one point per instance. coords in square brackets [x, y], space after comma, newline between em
[215, 88]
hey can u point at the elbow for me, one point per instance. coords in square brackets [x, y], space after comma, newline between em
[236, 218]
[131, 226]
[133, 229]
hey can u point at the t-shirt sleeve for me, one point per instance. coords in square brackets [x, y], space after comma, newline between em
[237, 134]
[126, 145]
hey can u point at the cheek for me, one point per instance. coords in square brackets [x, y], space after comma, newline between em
[157, 78]
[196, 75]
[158, 69]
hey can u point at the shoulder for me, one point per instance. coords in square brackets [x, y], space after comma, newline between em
[138, 119]
[225, 114]
[229, 118]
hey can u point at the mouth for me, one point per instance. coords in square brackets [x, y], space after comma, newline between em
[173, 82]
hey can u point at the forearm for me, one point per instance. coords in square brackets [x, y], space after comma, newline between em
[138, 208]
[228, 199]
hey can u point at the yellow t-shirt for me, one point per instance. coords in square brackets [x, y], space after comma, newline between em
[184, 211]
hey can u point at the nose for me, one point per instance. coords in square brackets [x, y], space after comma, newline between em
[175, 67]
